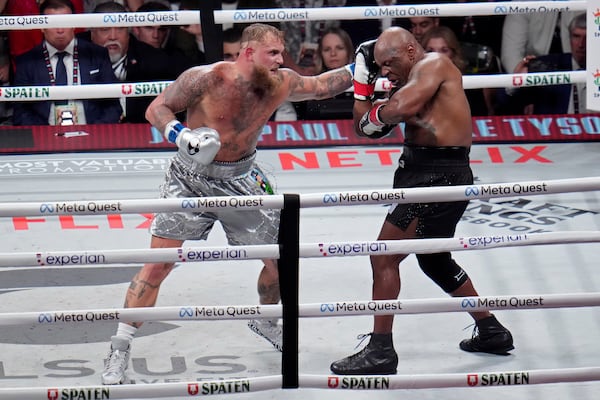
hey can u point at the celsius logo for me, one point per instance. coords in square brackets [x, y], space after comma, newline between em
[186, 312]
[471, 191]
[240, 16]
[330, 198]
[371, 12]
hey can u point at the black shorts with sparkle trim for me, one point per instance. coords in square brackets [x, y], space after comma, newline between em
[427, 167]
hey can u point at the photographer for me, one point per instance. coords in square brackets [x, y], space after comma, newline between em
[554, 99]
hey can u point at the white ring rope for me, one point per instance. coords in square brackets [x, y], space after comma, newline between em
[154, 390]
[349, 198]
[308, 381]
[465, 379]
[339, 308]
[315, 250]
[311, 310]
[144, 89]
[187, 17]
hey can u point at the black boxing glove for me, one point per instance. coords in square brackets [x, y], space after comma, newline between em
[371, 125]
[365, 71]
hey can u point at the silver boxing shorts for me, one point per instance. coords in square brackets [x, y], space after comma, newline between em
[184, 178]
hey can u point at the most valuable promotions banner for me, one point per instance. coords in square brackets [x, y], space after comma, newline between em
[115, 137]
[593, 55]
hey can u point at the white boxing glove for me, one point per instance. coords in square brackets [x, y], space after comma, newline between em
[201, 144]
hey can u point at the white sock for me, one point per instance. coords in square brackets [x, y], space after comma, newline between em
[126, 331]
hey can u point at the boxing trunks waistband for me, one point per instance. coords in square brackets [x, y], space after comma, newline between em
[420, 157]
[216, 169]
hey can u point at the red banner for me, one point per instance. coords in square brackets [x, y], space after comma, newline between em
[497, 129]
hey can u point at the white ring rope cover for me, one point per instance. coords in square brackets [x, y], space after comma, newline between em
[333, 249]
[349, 198]
[145, 89]
[338, 308]
[332, 382]
[187, 17]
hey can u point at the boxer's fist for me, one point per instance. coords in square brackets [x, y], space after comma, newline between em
[201, 144]
[365, 71]
[370, 124]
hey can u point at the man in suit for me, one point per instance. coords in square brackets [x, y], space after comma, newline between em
[556, 99]
[133, 61]
[61, 59]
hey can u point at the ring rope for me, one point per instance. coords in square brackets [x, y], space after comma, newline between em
[271, 251]
[187, 17]
[311, 381]
[342, 198]
[310, 310]
[145, 89]
[357, 382]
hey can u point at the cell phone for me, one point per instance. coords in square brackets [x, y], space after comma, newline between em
[308, 53]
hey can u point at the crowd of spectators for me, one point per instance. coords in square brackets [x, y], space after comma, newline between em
[516, 43]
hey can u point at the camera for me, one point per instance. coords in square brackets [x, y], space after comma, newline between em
[541, 65]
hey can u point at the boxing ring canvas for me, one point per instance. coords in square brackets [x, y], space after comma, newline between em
[62, 355]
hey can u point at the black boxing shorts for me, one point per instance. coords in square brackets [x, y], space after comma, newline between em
[427, 167]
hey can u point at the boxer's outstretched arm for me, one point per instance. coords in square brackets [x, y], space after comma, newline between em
[318, 87]
[176, 97]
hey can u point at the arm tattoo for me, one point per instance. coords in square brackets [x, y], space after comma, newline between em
[333, 83]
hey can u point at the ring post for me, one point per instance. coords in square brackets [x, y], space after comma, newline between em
[212, 34]
[288, 265]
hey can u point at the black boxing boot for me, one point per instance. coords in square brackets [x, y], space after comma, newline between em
[491, 338]
[377, 358]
